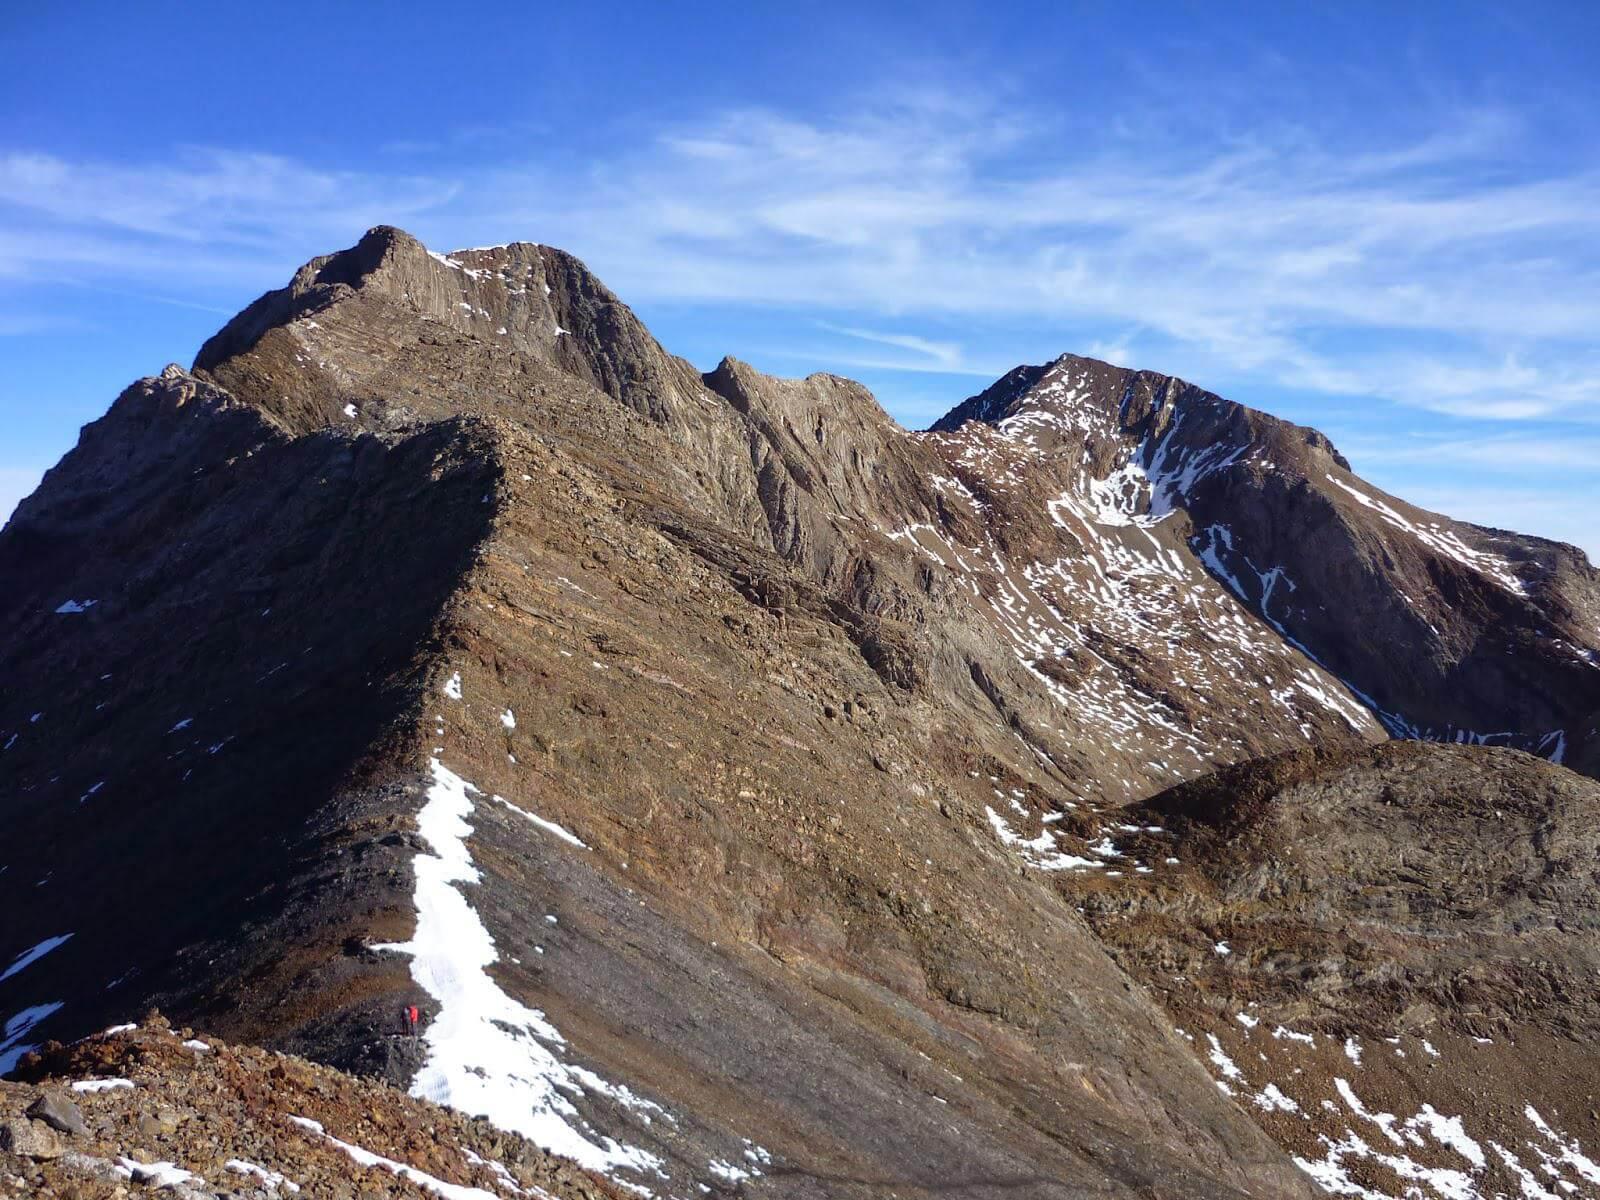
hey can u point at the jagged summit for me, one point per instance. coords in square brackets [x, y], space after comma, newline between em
[722, 769]
[1072, 386]
[390, 296]
[380, 258]
[351, 330]
[1276, 514]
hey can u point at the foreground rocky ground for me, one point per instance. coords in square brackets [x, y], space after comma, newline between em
[150, 1108]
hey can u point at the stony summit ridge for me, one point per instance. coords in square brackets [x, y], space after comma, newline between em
[1104, 792]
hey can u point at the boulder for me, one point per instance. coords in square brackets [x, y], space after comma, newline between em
[57, 1110]
[30, 1139]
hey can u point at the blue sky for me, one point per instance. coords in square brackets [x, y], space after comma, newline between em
[1383, 220]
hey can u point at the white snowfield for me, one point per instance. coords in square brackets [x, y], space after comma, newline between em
[488, 1054]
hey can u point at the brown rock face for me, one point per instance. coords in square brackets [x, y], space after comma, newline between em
[717, 765]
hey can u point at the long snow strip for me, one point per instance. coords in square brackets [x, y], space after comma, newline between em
[488, 1054]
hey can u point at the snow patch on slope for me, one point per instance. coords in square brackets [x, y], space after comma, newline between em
[366, 1158]
[1442, 541]
[1214, 546]
[30, 956]
[560, 831]
[1431, 1155]
[18, 1025]
[1158, 478]
[488, 1054]
[1039, 852]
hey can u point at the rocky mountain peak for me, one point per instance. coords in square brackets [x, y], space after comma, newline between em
[346, 339]
[315, 286]
[1073, 398]
[828, 412]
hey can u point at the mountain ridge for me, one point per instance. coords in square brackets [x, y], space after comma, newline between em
[1396, 706]
[764, 747]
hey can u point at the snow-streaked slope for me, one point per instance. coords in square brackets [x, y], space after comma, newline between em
[488, 1054]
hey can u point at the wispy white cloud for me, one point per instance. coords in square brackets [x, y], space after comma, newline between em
[1272, 257]
[1414, 272]
[945, 355]
[833, 358]
[205, 212]
[1118, 350]
[24, 324]
[1503, 453]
